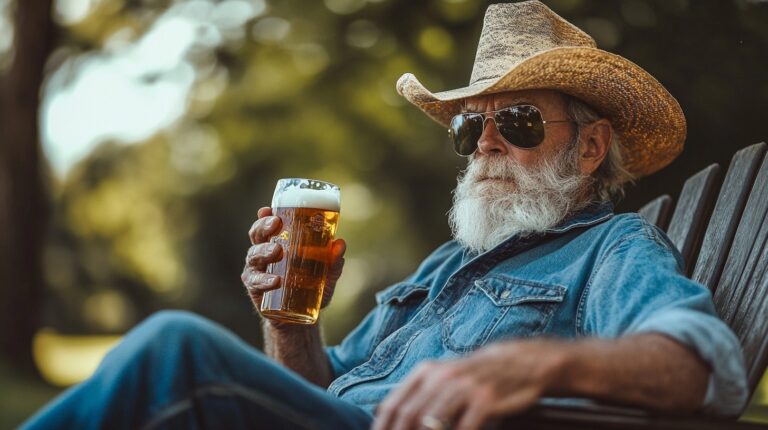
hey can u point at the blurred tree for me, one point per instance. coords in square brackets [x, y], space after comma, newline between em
[23, 196]
[295, 88]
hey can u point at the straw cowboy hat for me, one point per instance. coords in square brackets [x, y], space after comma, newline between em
[527, 46]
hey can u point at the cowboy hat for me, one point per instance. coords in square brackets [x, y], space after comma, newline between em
[527, 46]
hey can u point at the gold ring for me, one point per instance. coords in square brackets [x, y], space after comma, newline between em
[432, 423]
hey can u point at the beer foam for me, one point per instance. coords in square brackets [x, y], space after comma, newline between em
[307, 198]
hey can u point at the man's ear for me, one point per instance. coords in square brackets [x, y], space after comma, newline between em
[594, 143]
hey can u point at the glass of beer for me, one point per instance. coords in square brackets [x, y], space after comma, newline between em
[309, 210]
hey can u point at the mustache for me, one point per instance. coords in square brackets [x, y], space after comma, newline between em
[497, 171]
[492, 167]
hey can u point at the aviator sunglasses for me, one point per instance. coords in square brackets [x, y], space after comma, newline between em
[521, 126]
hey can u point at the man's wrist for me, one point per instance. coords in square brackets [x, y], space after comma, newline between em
[573, 369]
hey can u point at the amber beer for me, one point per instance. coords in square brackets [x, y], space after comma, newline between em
[309, 210]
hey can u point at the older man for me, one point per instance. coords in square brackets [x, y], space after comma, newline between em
[543, 292]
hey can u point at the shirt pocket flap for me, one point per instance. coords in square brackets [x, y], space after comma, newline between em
[401, 292]
[504, 291]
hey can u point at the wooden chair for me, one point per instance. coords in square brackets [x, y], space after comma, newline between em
[724, 243]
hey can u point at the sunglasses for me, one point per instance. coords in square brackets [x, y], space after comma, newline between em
[521, 126]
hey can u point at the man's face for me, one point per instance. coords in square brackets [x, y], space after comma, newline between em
[507, 190]
[552, 107]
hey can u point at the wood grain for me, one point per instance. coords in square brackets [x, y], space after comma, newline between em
[692, 213]
[726, 215]
[657, 211]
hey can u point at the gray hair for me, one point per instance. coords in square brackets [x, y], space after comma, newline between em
[611, 176]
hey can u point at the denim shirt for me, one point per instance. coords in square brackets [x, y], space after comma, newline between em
[595, 275]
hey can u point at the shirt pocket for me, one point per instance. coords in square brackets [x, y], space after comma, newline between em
[398, 304]
[497, 308]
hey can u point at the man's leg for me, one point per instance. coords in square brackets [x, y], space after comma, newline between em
[178, 370]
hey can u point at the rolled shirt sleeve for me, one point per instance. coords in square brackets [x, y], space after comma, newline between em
[639, 287]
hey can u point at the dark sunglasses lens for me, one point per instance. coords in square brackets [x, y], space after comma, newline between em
[521, 126]
[465, 131]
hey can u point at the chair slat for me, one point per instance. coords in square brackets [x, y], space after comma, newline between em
[726, 214]
[751, 322]
[692, 213]
[657, 211]
[741, 298]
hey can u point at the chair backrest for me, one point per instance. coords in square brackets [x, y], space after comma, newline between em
[733, 257]
[727, 214]
[657, 211]
[741, 294]
[692, 212]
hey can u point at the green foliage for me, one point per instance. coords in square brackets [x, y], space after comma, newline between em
[306, 89]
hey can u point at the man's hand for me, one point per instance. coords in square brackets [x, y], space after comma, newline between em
[296, 346]
[263, 252]
[496, 380]
[648, 370]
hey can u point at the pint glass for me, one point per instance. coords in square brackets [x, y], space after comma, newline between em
[309, 210]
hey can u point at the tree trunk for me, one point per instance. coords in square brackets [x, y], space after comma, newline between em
[23, 202]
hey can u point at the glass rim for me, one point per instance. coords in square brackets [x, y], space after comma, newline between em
[331, 184]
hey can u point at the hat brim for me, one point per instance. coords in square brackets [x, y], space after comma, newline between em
[646, 116]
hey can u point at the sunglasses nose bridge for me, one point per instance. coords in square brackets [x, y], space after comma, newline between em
[491, 118]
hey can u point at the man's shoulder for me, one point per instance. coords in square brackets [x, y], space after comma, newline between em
[445, 258]
[631, 227]
[632, 231]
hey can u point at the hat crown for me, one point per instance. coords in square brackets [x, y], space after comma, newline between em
[514, 32]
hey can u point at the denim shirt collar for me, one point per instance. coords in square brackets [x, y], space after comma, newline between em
[594, 213]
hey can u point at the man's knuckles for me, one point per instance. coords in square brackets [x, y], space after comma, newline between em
[263, 228]
[425, 368]
[263, 253]
[259, 281]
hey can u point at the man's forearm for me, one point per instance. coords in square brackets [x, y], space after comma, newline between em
[300, 348]
[648, 370]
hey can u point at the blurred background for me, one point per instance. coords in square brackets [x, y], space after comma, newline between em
[139, 137]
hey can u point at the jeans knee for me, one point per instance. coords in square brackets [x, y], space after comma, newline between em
[171, 330]
[176, 323]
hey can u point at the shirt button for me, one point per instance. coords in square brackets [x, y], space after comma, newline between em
[440, 310]
[505, 294]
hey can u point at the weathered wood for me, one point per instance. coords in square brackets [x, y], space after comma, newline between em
[726, 215]
[692, 213]
[657, 211]
[751, 322]
[741, 296]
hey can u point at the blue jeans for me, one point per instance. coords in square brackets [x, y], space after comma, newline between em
[178, 370]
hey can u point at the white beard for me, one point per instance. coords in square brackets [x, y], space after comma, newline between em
[517, 200]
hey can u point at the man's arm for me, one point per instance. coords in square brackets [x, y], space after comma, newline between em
[649, 370]
[299, 348]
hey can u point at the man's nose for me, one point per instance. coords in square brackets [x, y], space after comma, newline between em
[490, 141]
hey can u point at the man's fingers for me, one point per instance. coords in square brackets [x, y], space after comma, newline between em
[435, 379]
[264, 211]
[387, 414]
[448, 402]
[474, 416]
[259, 282]
[338, 249]
[260, 255]
[264, 228]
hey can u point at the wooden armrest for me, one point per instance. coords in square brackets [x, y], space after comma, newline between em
[599, 417]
